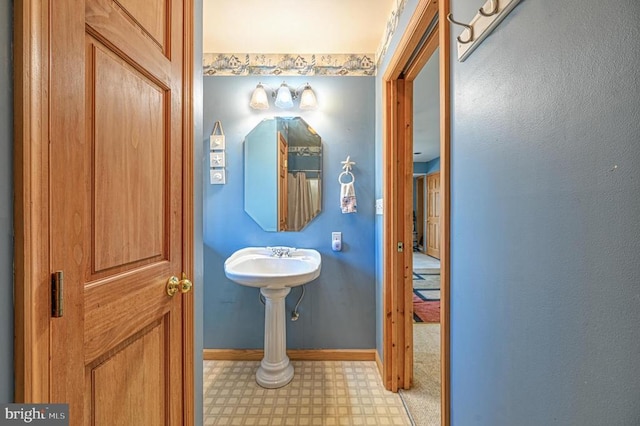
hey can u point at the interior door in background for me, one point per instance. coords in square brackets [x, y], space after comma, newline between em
[433, 215]
[420, 218]
[283, 190]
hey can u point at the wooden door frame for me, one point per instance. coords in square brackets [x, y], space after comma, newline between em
[397, 161]
[31, 203]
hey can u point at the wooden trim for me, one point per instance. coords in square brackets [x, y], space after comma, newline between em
[396, 163]
[424, 13]
[379, 363]
[424, 55]
[388, 177]
[445, 217]
[188, 310]
[390, 238]
[31, 231]
[232, 354]
[294, 354]
[406, 231]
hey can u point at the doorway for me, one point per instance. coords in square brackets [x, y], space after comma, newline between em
[424, 34]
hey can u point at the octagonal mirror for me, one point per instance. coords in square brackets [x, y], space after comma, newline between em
[283, 174]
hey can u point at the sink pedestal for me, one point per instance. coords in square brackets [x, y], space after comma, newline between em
[274, 270]
[275, 370]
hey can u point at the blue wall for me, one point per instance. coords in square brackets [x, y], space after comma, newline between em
[545, 272]
[427, 167]
[338, 310]
[6, 204]
[545, 163]
[433, 166]
[420, 167]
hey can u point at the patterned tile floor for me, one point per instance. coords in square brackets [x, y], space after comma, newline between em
[321, 393]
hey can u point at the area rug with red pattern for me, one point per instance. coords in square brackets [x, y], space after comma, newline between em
[426, 305]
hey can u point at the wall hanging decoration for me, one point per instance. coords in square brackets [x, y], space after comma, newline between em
[217, 158]
[217, 176]
[486, 20]
[217, 140]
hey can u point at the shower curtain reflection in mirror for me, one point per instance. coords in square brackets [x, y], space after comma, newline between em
[304, 199]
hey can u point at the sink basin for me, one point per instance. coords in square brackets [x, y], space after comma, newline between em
[274, 270]
[259, 267]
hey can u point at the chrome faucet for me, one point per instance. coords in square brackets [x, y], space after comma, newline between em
[280, 251]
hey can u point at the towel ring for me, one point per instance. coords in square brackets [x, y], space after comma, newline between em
[353, 178]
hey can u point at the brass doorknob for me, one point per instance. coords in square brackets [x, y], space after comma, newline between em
[174, 285]
[185, 284]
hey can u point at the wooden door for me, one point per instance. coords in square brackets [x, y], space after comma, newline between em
[283, 194]
[433, 215]
[116, 210]
[420, 217]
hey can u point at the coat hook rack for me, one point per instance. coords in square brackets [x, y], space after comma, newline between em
[486, 20]
[469, 29]
[494, 10]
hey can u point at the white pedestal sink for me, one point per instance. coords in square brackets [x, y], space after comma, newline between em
[274, 270]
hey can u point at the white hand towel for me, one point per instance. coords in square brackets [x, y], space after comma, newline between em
[348, 198]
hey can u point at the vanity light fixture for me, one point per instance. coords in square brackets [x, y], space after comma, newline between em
[284, 97]
[308, 98]
[259, 98]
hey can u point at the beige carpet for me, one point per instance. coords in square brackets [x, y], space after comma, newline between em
[426, 281]
[423, 399]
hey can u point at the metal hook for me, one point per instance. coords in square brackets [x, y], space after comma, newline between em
[496, 6]
[469, 27]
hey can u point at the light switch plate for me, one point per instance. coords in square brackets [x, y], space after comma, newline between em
[379, 206]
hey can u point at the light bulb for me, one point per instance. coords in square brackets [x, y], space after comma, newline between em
[259, 98]
[308, 98]
[284, 99]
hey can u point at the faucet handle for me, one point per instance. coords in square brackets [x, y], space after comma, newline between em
[281, 251]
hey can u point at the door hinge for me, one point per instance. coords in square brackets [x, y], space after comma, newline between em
[400, 247]
[57, 296]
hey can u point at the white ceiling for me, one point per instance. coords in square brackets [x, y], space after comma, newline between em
[295, 26]
[317, 27]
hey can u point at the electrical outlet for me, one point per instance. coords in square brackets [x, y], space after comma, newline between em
[336, 241]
